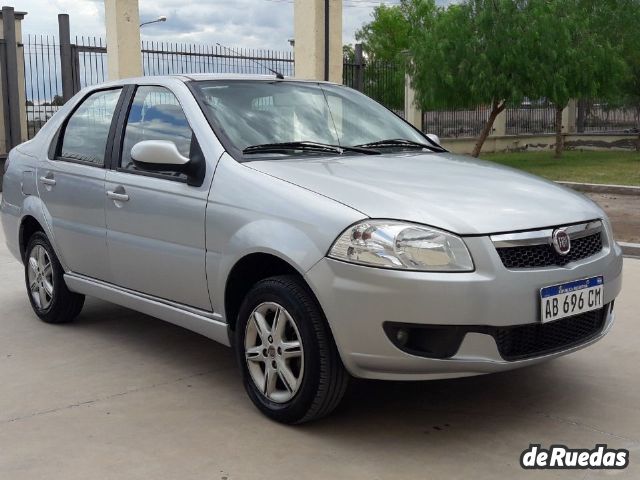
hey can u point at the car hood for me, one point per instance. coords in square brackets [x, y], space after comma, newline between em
[452, 192]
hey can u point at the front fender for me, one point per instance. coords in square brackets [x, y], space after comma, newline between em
[252, 212]
[273, 237]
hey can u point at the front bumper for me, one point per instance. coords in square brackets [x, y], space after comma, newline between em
[358, 300]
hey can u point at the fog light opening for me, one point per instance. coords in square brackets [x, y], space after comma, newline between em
[402, 336]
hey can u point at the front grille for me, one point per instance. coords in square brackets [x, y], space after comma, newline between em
[532, 256]
[534, 339]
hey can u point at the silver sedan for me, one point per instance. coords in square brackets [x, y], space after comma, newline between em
[308, 227]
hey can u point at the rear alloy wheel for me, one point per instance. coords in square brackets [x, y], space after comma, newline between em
[291, 367]
[50, 298]
[40, 277]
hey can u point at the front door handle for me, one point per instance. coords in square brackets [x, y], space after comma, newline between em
[118, 197]
[48, 180]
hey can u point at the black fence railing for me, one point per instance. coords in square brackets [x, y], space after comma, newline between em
[88, 66]
[382, 81]
[455, 123]
[160, 58]
[90, 56]
[594, 117]
[43, 85]
[531, 117]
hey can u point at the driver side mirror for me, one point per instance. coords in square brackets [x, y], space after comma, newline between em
[163, 156]
[158, 155]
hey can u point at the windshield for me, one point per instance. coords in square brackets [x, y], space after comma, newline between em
[254, 113]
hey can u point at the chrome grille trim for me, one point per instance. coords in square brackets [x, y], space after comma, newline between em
[543, 237]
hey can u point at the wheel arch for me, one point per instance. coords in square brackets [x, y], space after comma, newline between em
[35, 212]
[28, 226]
[248, 271]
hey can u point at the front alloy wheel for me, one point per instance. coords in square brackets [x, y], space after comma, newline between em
[274, 352]
[290, 365]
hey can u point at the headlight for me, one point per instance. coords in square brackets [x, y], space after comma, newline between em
[403, 246]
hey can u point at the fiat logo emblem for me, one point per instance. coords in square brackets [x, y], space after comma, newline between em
[561, 241]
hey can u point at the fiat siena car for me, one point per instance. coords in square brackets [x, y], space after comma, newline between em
[308, 227]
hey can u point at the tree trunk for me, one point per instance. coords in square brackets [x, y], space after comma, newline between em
[559, 137]
[496, 109]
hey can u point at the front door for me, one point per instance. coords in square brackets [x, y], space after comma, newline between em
[71, 185]
[155, 221]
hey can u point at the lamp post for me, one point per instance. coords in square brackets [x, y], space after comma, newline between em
[157, 20]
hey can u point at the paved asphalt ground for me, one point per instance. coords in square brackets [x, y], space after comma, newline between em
[119, 395]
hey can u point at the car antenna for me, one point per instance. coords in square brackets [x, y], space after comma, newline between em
[278, 75]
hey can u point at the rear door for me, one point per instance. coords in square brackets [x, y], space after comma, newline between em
[71, 183]
[155, 221]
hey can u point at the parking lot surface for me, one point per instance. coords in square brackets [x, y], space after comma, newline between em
[623, 213]
[119, 395]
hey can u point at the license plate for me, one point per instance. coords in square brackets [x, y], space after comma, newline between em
[572, 298]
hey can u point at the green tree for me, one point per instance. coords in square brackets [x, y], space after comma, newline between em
[576, 57]
[386, 37]
[619, 20]
[57, 101]
[385, 40]
[348, 53]
[470, 54]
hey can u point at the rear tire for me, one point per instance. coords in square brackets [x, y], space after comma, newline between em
[301, 355]
[50, 298]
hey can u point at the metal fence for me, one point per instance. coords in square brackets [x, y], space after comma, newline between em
[382, 81]
[531, 117]
[160, 58]
[90, 57]
[43, 84]
[455, 123]
[528, 118]
[44, 81]
[536, 117]
[595, 117]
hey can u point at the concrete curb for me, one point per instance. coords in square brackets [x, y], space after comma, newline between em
[630, 249]
[600, 188]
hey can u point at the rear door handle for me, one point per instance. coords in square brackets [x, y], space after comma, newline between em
[48, 180]
[118, 197]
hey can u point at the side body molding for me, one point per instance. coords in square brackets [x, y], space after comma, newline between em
[199, 321]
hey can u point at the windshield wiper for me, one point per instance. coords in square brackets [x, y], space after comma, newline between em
[400, 142]
[306, 146]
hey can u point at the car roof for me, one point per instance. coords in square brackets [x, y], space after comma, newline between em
[203, 77]
[239, 76]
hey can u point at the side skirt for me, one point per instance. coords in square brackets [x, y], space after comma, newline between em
[205, 323]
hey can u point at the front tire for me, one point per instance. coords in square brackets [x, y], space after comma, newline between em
[290, 365]
[50, 298]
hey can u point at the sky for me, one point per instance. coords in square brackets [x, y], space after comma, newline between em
[235, 23]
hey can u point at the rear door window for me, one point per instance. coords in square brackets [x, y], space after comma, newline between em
[87, 130]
